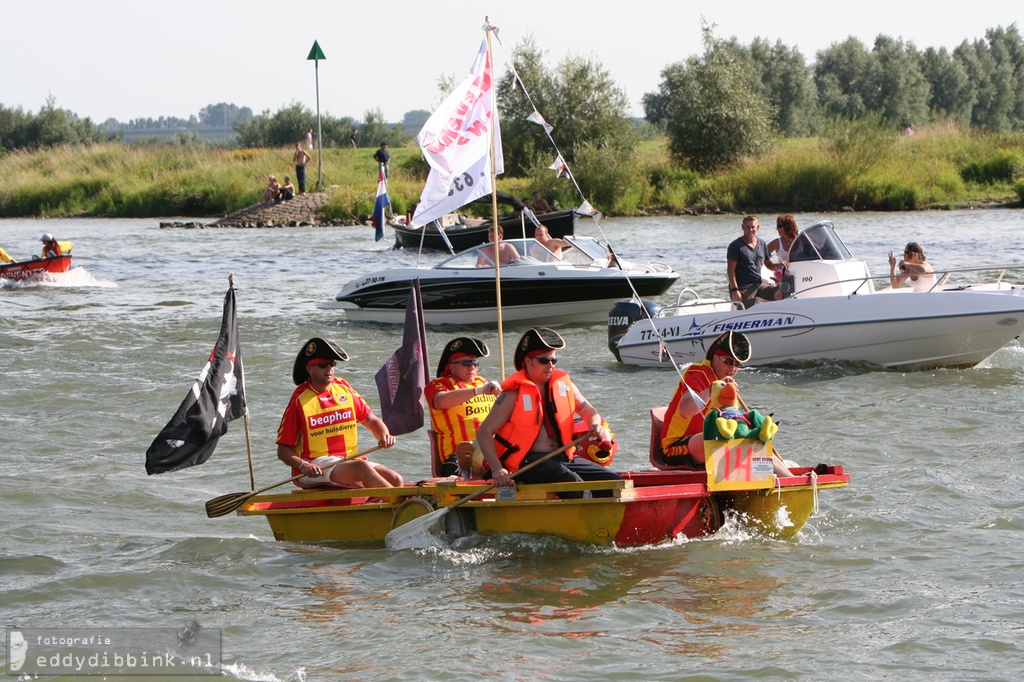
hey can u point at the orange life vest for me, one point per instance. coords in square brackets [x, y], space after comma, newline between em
[513, 440]
[699, 376]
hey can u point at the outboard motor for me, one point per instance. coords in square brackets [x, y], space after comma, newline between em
[622, 315]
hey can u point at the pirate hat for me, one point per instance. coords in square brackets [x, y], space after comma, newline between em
[734, 344]
[464, 345]
[536, 338]
[315, 349]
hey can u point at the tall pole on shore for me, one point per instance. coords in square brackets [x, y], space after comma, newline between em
[316, 54]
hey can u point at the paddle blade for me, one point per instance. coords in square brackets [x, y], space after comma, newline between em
[416, 534]
[225, 504]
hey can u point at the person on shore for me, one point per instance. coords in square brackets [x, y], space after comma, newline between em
[914, 267]
[352, 137]
[745, 256]
[287, 189]
[272, 192]
[319, 425]
[309, 139]
[507, 253]
[300, 158]
[382, 157]
[682, 432]
[459, 400]
[534, 415]
[4, 258]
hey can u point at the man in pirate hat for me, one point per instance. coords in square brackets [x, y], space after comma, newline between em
[534, 416]
[682, 437]
[459, 399]
[318, 427]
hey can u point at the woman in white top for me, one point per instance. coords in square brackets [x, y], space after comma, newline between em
[786, 225]
[914, 267]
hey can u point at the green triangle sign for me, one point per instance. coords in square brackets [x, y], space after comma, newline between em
[316, 52]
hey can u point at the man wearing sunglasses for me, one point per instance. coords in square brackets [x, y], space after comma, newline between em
[459, 399]
[682, 438]
[318, 427]
[534, 415]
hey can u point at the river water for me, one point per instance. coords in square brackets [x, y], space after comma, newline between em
[916, 571]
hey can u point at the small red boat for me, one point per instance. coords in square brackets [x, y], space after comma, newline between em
[34, 268]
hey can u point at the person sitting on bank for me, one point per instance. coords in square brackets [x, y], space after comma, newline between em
[507, 253]
[272, 193]
[914, 267]
[682, 432]
[459, 400]
[319, 425]
[287, 190]
[534, 416]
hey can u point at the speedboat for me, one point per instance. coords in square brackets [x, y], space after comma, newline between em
[831, 310]
[463, 232]
[577, 285]
[35, 268]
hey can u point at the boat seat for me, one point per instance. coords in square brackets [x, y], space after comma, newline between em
[657, 455]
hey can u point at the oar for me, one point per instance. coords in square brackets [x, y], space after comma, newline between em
[225, 504]
[414, 533]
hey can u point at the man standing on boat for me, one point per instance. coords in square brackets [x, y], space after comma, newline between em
[745, 257]
[319, 424]
[534, 416]
[459, 400]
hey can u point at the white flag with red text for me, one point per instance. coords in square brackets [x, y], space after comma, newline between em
[456, 141]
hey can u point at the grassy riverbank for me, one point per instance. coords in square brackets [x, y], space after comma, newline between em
[938, 168]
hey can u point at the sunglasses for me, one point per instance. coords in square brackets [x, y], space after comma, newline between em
[465, 363]
[732, 363]
[544, 360]
[324, 365]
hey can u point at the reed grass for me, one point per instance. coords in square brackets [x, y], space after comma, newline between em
[940, 167]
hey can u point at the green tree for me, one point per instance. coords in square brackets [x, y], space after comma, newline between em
[898, 90]
[788, 84]
[712, 113]
[952, 94]
[578, 97]
[838, 72]
[223, 114]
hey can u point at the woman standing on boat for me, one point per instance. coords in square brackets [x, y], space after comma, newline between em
[914, 267]
[786, 225]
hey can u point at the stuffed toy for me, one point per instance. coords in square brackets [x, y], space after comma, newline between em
[599, 451]
[725, 419]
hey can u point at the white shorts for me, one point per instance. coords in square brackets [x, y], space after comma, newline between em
[325, 476]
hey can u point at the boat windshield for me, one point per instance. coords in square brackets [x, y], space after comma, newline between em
[819, 242]
[583, 251]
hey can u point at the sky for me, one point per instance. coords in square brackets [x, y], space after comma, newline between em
[127, 59]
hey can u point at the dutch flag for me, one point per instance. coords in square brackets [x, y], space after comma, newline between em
[378, 206]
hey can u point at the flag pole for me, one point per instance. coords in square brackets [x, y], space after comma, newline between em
[494, 210]
[245, 415]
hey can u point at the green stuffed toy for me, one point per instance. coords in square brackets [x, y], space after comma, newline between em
[725, 420]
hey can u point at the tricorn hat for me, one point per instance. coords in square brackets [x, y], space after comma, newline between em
[315, 349]
[463, 344]
[536, 338]
[734, 344]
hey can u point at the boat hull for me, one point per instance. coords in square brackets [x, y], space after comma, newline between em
[645, 508]
[559, 224]
[34, 268]
[470, 297]
[891, 329]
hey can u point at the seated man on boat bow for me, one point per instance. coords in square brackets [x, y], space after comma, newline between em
[319, 425]
[533, 416]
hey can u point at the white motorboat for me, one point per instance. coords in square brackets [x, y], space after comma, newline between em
[832, 311]
[539, 287]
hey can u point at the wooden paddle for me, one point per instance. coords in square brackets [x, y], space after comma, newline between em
[414, 534]
[225, 504]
